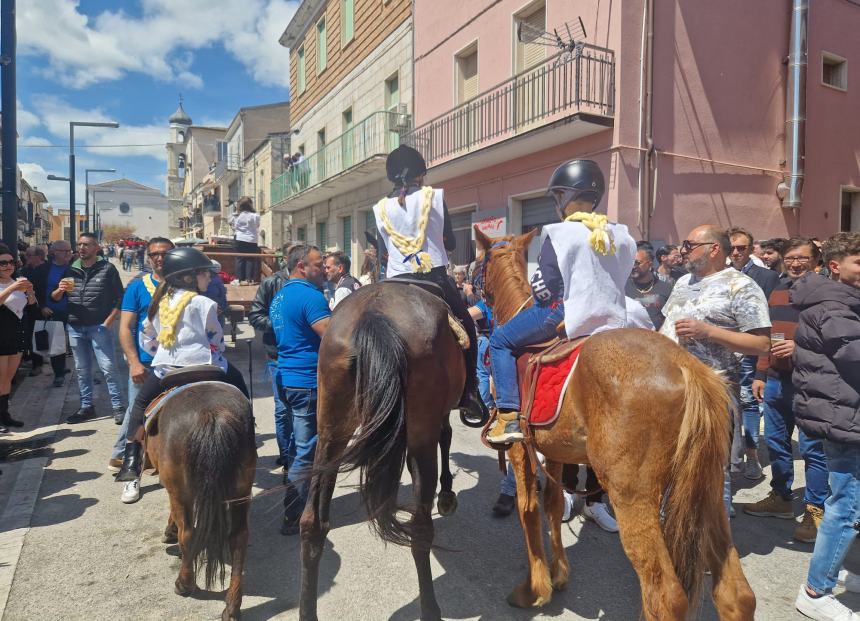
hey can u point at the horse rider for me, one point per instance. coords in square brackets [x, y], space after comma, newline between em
[416, 232]
[181, 330]
[582, 268]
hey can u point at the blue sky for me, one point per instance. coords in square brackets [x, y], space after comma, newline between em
[128, 62]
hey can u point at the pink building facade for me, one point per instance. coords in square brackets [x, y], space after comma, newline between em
[699, 129]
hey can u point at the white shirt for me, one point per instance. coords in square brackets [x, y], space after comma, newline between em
[17, 300]
[594, 298]
[199, 337]
[404, 219]
[245, 224]
[637, 315]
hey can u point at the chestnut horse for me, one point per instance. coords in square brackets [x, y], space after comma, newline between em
[391, 370]
[202, 445]
[653, 422]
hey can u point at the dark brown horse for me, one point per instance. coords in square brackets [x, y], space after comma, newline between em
[390, 372]
[654, 424]
[202, 445]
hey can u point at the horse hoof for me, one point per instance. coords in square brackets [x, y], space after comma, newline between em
[522, 598]
[169, 538]
[226, 616]
[184, 590]
[446, 503]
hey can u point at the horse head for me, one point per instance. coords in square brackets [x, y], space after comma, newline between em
[502, 272]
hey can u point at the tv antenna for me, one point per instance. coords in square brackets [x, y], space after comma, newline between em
[572, 35]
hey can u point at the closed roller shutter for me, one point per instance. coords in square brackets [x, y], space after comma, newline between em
[531, 54]
[537, 212]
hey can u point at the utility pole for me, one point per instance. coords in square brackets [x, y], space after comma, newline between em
[10, 134]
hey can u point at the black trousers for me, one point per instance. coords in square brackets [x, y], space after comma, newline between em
[570, 479]
[247, 269]
[451, 295]
[151, 388]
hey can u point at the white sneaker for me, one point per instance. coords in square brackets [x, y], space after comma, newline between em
[849, 580]
[131, 492]
[601, 516]
[568, 506]
[824, 608]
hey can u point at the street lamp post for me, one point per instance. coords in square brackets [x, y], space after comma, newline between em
[67, 180]
[87, 193]
[72, 125]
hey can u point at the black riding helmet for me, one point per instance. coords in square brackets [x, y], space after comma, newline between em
[180, 262]
[576, 180]
[404, 164]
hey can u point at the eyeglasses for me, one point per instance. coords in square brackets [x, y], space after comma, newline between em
[638, 263]
[689, 246]
[6, 263]
[156, 254]
[740, 248]
[798, 260]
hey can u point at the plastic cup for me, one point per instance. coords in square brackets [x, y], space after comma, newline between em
[776, 337]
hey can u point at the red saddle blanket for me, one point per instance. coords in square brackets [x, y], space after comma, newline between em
[544, 380]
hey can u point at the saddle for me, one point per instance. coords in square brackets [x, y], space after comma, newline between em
[544, 370]
[431, 287]
[173, 382]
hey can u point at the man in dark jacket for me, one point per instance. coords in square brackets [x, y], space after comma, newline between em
[93, 290]
[45, 279]
[827, 405]
[258, 316]
[337, 266]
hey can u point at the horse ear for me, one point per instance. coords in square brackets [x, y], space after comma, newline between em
[483, 242]
[525, 240]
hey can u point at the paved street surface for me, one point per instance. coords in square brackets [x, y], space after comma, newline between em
[70, 550]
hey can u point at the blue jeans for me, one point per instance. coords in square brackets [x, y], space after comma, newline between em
[302, 409]
[122, 436]
[509, 482]
[841, 513]
[484, 372]
[283, 422]
[98, 340]
[749, 405]
[778, 427]
[533, 325]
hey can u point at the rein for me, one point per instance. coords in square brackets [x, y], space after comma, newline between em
[480, 279]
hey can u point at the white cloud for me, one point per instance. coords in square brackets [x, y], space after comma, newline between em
[82, 51]
[26, 120]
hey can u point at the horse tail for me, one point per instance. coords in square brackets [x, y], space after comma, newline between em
[213, 454]
[378, 449]
[694, 504]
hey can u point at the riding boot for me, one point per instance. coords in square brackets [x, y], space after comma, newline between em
[5, 418]
[131, 463]
[506, 429]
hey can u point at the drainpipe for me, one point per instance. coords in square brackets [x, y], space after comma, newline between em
[646, 63]
[795, 108]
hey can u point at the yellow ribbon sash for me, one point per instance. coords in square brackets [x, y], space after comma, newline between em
[169, 317]
[410, 247]
[600, 239]
[149, 283]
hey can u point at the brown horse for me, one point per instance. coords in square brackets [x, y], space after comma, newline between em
[653, 423]
[391, 370]
[202, 445]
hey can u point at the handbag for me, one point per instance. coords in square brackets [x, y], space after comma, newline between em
[51, 339]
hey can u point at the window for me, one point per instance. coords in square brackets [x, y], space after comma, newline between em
[834, 71]
[347, 142]
[347, 236]
[322, 236]
[370, 223]
[302, 233]
[321, 155]
[124, 207]
[531, 52]
[461, 222]
[347, 19]
[850, 220]
[467, 74]
[321, 46]
[392, 93]
[300, 72]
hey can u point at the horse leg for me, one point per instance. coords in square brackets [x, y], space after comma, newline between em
[447, 502]
[171, 534]
[553, 506]
[314, 525]
[186, 582]
[536, 590]
[238, 548]
[663, 597]
[733, 596]
[423, 469]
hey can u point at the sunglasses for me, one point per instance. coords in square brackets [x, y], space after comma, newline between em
[638, 263]
[156, 254]
[740, 248]
[688, 246]
[6, 263]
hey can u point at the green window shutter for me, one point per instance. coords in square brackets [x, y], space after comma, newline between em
[347, 20]
[321, 46]
[322, 236]
[370, 222]
[347, 236]
[302, 234]
[300, 79]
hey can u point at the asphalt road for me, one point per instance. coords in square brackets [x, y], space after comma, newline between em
[84, 555]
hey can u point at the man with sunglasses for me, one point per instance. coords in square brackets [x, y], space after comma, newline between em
[716, 312]
[135, 304]
[93, 291]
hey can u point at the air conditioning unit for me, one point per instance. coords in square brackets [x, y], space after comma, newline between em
[402, 121]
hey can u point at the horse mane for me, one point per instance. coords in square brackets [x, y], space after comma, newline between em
[507, 281]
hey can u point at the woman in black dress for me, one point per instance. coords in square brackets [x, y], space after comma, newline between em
[15, 297]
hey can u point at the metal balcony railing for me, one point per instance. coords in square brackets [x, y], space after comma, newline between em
[377, 135]
[569, 82]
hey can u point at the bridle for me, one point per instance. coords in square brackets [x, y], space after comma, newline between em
[480, 278]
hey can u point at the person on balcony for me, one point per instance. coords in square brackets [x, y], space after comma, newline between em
[246, 225]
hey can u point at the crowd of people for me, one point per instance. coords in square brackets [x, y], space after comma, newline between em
[779, 319]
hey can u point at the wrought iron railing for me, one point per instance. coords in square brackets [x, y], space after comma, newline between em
[378, 134]
[582, 80]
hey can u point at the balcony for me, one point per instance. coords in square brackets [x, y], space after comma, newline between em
[354, 158]
[572, 93]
